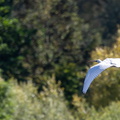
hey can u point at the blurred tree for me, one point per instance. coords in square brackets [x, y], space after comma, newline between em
[104, 18]
[5, 7]
[49, 104]
[6, 100]
[70, 78]
[14, 42]
[56, 22]
[60, 43]
[111, 112]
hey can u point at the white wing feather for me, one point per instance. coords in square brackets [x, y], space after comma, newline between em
[94, 72]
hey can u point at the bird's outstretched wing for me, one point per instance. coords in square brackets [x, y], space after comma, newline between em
[93, 72]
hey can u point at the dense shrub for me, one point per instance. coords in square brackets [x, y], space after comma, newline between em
[111, 112]
[23, 102]
[6, 101]
[47, 105]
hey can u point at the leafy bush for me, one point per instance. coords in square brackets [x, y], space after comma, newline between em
[48, 105]
[111, 112]
[69, 76]
[23, 102]
[6, 101]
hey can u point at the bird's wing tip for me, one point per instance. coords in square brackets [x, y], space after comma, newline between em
[84, 92]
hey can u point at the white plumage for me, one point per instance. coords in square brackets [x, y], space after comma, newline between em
[95, 70]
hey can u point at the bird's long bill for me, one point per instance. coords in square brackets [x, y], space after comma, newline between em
[91, 61]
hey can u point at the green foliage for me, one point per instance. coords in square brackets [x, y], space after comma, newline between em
[84, 112]
[112, 112]
[23, 102]
[59, 43]
[5, 7]
[59, 37]
[31, 105]
[104, 19]
[80, 109]
[70, 79]
[13, 44]
[6, 101]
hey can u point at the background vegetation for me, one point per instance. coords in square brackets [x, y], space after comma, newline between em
[44, 49]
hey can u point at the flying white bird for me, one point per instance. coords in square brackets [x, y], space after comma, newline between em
[95, 70]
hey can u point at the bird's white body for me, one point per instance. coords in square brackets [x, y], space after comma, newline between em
[95, 70]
